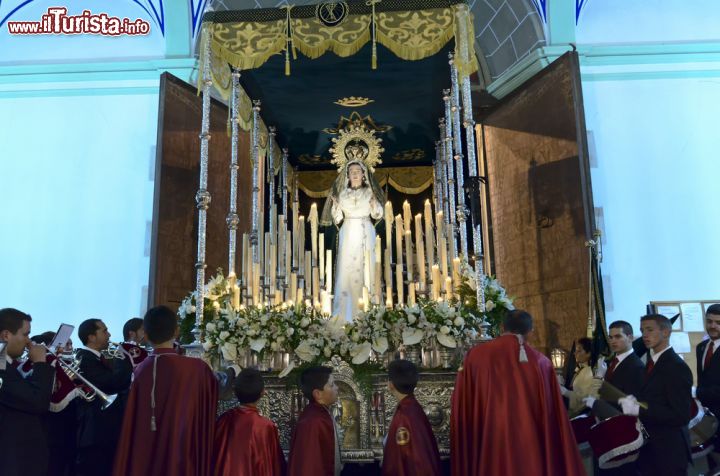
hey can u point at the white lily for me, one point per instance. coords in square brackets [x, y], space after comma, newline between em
[361, 353]
[412, 336]
[258, 344]
[380, 344]
[229, 351]
[447, 340]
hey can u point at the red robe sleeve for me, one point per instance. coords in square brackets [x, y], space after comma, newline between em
[312, 449]
[247, 444]
[186, 401]
[411, 448]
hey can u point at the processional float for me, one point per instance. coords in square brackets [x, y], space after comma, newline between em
[275, 285]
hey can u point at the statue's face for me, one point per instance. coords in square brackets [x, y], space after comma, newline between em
[356, 175]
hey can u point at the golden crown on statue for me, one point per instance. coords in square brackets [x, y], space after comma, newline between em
[356, 142]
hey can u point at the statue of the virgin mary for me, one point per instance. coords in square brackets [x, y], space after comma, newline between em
[355, 200]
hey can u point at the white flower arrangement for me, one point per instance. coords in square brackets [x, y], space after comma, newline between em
[311, 336]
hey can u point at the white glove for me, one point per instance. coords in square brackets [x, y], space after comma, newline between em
[601, 368]
[564, 391]
[694, 392]
[630, 405]
[589, 401]
[560, 379]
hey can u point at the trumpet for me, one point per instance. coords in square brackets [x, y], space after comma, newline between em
[113, 351]
[72, 370]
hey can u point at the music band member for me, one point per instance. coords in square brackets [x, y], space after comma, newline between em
[23, 445]
[133, 345]
[98, 428]
[666, 393]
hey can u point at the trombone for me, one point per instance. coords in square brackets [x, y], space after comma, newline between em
[72, 370]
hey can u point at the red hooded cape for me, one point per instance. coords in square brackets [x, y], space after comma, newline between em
[312, 450]
[411, 449]
[508, 416]
[247, 444]
[185, 405]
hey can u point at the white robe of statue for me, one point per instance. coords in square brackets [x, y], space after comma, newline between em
[354, 209]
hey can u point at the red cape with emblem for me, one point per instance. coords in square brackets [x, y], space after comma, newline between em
[247, 444]
[508, 416]
[185, 403]
[312, 450]
[411, 449]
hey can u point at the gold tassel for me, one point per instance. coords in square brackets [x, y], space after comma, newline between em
[373, 62]
[290, 44]
[287, 62]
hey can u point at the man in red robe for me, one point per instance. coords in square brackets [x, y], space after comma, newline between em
[169, 421]
[314, 449]
[410, 447]
[508, 415]
[247, 444]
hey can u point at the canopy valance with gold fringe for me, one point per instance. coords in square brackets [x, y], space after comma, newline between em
[411, 29]
[409, 180]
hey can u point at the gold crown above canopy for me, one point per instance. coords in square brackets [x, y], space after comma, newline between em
[357, 142]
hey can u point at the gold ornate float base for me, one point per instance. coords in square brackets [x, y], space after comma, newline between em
[363, 411]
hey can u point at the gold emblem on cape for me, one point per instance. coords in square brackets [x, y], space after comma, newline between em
[402, 436]
[356, 142]
[353, 101]
[331, 13]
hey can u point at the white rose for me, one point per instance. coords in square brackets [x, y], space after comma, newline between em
[355, 337]
[192, 309]
[327, 352]
[489, 305]
[290, 331]
[444, 330]
[207, 345]
[281, 339]
[459, 321]
[304, 322]
[224, 335]
[411, 319]
[216, 305]
[210, 327]
[274, 346]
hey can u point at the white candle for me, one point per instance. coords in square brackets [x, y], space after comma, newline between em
[328, 272]
[435, 282]
[399, 279]
[388, 278]
[321, 254]
[407, 215]
[398, 240]
[388, 226]
[429, 242]
[313, 218]
[301, 244]
[378, 272]
[409, 255]
[456, 271]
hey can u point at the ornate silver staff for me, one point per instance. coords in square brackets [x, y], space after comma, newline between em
[461, 17]
[459, 168]
[202, 197]
[232, 219]
[447, 140]
[255, 179]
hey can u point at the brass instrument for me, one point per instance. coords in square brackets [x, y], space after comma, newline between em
[114, 351]
[72, 370]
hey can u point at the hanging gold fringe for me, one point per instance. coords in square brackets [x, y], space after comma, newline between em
[408, 180]
[409, 35]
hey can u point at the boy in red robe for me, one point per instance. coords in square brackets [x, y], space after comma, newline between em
[169, 421]
[247, 444]
[508, 416]
[315, 449]
[410, 446]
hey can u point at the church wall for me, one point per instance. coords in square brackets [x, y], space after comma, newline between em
[655, 168]
[650, 107]
[77, 198]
